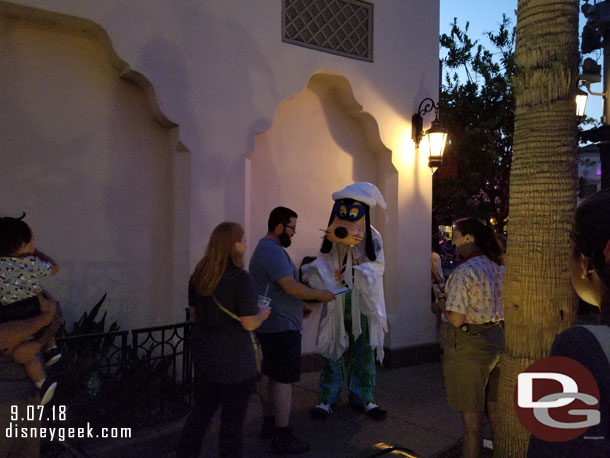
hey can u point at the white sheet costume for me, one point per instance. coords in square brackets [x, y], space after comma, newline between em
[352, 256]
[367, 296]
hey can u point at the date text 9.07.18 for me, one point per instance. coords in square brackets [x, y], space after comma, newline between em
[38, 413]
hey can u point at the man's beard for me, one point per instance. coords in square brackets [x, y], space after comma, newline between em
[285, 239]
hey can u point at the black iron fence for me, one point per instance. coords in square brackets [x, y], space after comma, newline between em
[110, 380]
[161, 358]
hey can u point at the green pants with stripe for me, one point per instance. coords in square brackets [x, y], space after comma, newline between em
[357, 365]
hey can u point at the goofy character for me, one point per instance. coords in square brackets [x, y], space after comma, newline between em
[352, 326]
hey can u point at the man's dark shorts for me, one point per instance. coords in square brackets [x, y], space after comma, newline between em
[281, 355]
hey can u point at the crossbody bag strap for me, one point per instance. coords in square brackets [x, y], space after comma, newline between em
[257, 350]
[228, 312]
[602, 334]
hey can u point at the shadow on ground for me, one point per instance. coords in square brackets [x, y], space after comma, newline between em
[418, 419]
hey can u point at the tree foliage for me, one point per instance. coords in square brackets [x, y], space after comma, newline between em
[478, 109]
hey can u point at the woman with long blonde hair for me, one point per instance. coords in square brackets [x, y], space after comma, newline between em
[223, 309]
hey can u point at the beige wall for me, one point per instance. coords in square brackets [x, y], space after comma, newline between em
[220, 71]
[85, 160]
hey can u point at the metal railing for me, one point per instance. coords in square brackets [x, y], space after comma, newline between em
[105, 380]
[162, 355]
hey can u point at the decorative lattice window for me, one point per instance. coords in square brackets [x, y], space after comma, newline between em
[343, 27]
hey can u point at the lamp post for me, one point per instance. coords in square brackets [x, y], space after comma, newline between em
[437, 134]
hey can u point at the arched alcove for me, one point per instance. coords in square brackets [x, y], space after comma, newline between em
[96, 166]
[320, 141]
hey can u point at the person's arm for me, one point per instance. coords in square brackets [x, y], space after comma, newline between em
[192, 301]
[455, 319]
[295, 289]
[43, 257]
[252, 322]
[14, 332]
[437, 269]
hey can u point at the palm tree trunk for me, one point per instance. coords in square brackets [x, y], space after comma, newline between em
[538, 299]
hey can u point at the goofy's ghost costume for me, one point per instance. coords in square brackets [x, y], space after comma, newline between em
[352, 326]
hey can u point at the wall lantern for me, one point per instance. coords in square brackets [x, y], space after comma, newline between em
[581, 102]
[591, 73]
[437, 135]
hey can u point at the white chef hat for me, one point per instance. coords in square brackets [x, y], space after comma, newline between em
[364, 192]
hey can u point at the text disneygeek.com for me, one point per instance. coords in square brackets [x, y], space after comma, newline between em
[54, 413]
[61, 433]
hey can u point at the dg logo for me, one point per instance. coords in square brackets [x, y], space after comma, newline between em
[557, 399]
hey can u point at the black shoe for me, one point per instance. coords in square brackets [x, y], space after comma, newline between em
[321, 411]
[376, 413]
[288, 444]
[371, 410]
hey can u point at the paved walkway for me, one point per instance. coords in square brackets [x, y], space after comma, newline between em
[418, 419]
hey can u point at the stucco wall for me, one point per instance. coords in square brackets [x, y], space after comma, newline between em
[220, 71]
[83, 157]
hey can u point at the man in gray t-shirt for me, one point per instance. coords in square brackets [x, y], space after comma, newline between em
[270, 263]
[280, 335]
